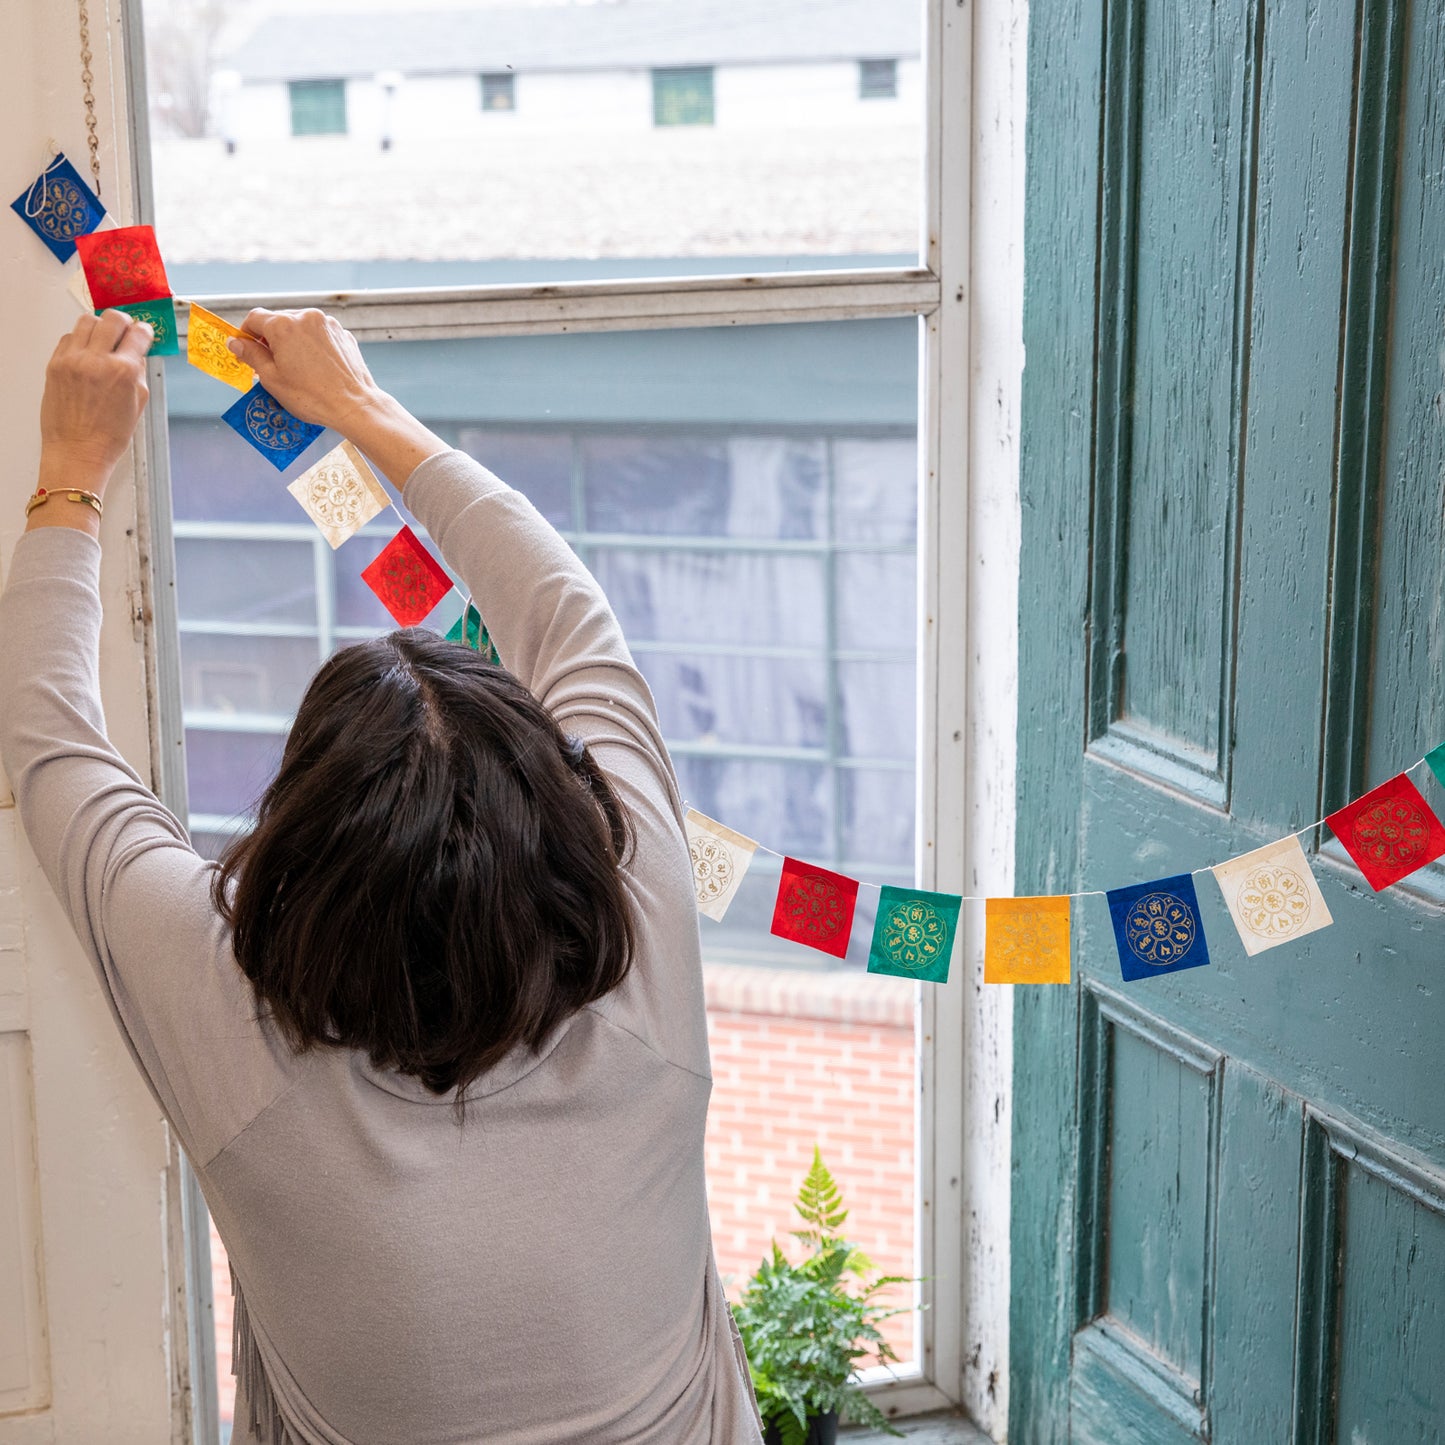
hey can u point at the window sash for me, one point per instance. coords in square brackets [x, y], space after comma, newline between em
[937, 292]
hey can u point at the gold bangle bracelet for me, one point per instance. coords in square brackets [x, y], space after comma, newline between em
[41, 495]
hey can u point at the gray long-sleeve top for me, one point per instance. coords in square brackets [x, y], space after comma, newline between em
[541, 1273]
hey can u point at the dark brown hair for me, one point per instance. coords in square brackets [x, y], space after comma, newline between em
[434, 873]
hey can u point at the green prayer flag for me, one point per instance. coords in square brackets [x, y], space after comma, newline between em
[1436, 758]
[161, 314]
[913, 936]
[470, 631]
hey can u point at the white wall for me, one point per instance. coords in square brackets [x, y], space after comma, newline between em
[746, 97]
[85, 1291]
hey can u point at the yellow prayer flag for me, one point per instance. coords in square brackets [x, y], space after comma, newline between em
[1026, 940]
[206, 340]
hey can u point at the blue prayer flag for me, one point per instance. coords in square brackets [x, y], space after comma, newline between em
[58, 207]
[270, 428]
[1157, 927]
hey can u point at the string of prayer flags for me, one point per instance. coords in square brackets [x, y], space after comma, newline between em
[1157, 927]
[471, 631]
[59, 207]
[1390, 832]
[261, 420]
[161, 314]
[913, 934]
[407, 578]
[1272, 895]
[206, 349]
[340, 493]
[720, 859]
[815, 907]
[122, 265]
[1436, 759]
[1027, 940]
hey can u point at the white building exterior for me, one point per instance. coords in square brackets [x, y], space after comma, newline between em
[577, 67]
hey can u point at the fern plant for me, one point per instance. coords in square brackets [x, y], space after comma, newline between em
[803, 1326]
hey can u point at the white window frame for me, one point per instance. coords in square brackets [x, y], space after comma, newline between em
[936, 291]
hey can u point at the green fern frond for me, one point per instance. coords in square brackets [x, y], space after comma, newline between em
[820, 1202]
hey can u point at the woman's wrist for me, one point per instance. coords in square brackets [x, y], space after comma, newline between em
[395, 441]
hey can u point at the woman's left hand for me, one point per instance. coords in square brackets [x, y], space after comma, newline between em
[95, 392]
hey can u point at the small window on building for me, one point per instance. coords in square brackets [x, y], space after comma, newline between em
[877, 79]
[682, 96]
[318, 107]
[498, 91]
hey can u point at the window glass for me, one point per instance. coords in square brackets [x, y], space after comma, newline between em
[245, 583]
[499, 91]
[682, 96]
[664, 138]
[251, 673]
[318, 107]
[877, 79]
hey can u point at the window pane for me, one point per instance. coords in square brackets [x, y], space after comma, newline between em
[227, 674]
[657, 139]
[538, 463]
[877, 819]
[318, 107]
[716, 699]
[682, 97]
[226, 773]
[877, 489]
[878, 709]
[877, 79]
[213, 479]
[499, 92]
[762, 598]
[249, 582]
[876, 599]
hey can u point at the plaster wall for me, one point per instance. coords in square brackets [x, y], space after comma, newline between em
[85, 1287]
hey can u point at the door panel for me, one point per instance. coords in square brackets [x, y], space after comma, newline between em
[1228, 1218]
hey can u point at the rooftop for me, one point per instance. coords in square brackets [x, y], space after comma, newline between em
[613, 34]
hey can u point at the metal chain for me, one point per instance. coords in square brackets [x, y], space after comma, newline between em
[88, 80]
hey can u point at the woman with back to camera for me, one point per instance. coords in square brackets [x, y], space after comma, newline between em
[433, 1033]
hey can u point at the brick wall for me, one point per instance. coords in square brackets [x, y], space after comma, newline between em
[797, 1058]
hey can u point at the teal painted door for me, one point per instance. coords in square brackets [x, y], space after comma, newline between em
[1229, 1182]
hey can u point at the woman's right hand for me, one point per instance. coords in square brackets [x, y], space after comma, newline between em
[312, 365]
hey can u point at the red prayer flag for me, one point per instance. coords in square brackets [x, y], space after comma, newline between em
[815, 907]
[1390, 832]
[407, 578]
[122, 265]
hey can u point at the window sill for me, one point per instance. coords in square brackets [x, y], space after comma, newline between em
[938, 1429]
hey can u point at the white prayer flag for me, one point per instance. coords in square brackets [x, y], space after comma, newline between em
[340, 493]
[720, 857]
[1272, 895]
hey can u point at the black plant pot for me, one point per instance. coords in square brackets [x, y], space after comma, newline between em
[822, 1430]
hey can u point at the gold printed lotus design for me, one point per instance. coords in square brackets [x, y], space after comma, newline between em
[713, 869]
[914, 934]
[1274, 901]
[63, 215]
[1393, 832]
[815, 907]
[1160, 929]
[272, 425]
[122, 267]
[334, 496]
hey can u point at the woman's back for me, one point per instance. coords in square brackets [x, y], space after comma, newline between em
[539, 1270]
